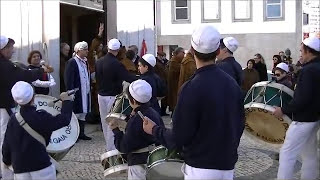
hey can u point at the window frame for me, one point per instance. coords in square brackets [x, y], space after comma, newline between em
[203, 20]
[282, 8]
[173, 13]
[234, 13]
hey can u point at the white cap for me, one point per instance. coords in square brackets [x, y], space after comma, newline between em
[22, 92]
[231, 43]
[205, 39]
[3, 41]
[141, 91]
[283, 66]
[313, 43]
[150, 59]
[114, 44]
[80, 46]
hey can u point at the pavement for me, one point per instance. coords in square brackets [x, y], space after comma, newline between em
[256, 160]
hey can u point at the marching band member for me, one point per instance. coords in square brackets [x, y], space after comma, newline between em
[301, 137]
[10, 74]
[281, 74]
[135, 142]
[77, 75]
[27, 155]
[209, 117]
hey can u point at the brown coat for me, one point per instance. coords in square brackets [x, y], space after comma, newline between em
[160, 70]
[93, 47]
[128, 64]
[173, 80]
[251, 76]
[188, 67]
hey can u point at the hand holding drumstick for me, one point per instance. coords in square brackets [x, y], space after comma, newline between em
[148, 124]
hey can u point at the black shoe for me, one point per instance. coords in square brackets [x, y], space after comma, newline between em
[164, 114]
[84, 137]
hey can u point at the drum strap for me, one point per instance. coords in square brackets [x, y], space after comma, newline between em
[35, 135]
[146, 149]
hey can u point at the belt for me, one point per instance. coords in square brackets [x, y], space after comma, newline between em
[146, 149]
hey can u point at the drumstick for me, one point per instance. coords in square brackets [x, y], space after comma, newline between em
[141, 115]
[70, 92]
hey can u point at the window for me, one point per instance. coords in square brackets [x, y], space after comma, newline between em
[181, 11]
[211, 10]
[242, 10]
[273, 10]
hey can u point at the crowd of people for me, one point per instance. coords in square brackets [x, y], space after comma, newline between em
[193, 86]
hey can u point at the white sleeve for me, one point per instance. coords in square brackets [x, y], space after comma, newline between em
[45, 84]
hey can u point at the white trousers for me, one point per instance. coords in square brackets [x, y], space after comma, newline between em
[192, 173]
[5, 173]
[301, 139]
[105, 105]
[81, 116]
[137, 172]
[48, 173]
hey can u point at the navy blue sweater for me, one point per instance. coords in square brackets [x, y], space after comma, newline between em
[110, 74]
[20, 149]
[208, 120]
[134, 137]
[233, 68]
[153, 79]
[305, 104]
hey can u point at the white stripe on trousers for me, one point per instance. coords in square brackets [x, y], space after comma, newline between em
[301, 138]
[105, 105]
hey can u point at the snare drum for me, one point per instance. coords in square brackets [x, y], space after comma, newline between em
[260, 123]
[113, 163]
[62, 139]
[164, 164]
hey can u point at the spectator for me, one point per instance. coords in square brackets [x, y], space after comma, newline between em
[251, 76]
[276, 60]
[261, 67]
[64, 57]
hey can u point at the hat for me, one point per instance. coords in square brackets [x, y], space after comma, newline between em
[150, 59]
[22, 92]
[283, 66]
[231, 43]
[205, 39]
[313, 43]
[114, 44]
[141, 91]
[80, 46]
[3, 42]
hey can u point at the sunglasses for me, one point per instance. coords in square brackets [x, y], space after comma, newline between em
[277, 75]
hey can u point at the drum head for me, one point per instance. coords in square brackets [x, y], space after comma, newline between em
[263, 126]
[165, 170]
[62, 139]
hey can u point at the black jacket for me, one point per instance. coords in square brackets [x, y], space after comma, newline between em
[9, 75]
[305, 104]
[110, 74]
[24, 152]
[208, 120]
[134, 137]
[233, 68]
[262, 70]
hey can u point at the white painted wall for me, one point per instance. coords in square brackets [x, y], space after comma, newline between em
[31, 24]
[135, 22]
[227, 26]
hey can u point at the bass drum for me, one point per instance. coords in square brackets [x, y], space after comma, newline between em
[63, 139]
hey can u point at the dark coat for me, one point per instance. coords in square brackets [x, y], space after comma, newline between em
[9, 75]
[306, 99]
[262, 70]
[72, 81]
[173, 80]
[187, 69]
[63, 61]
[251, 76]
[233, 68]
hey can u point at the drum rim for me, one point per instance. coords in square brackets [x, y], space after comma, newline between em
[73, 116]
[153, 165]
[274, 85]
[116, 115]
[109, 154]
[113, 169]
[157, 149]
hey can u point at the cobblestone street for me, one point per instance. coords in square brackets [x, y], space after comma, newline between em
[256, 161]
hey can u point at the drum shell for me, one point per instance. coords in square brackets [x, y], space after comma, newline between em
[117, 162]
[122, 105]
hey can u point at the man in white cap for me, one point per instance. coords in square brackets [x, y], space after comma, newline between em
[202, 115]
[301, 137]
[281, 74]
[21, 150]
[77, 75]
[146, 68]
[9, 75]
[227, 61]
[110, 74]
[134, 141]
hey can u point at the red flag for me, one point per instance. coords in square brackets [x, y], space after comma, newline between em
[144, 49]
